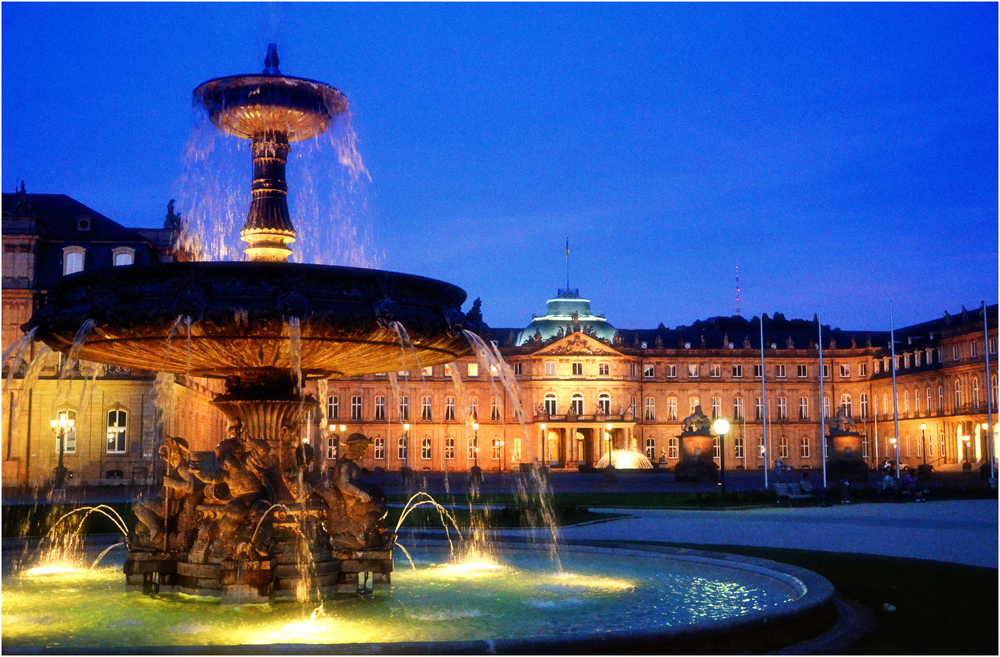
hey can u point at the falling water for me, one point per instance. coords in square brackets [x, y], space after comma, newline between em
[73, 358]
[323, 390]
[163, 395]
[14, 356]
[61, 546]
[295, 345]
[31, 374]
[187, 359]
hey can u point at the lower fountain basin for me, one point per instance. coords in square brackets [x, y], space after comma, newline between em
[602, 600]
[242, 315]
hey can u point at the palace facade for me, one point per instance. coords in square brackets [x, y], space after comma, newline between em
[582, 387]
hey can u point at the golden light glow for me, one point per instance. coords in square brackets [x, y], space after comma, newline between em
[591, 582]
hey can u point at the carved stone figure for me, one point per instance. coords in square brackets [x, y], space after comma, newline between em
[231, 494]
[842, 424]
[356, 511]
[698, 423]
[175, 506]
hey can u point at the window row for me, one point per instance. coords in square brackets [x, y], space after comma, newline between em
[65, 427]
[426, 409]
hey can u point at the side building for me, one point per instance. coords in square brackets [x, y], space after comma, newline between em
[117, 421]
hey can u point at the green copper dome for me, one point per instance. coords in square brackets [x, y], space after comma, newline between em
[567, 309]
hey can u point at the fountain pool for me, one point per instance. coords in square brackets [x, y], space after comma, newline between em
[615, 599]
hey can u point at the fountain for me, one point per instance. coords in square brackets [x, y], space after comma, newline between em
[240, 524]
[251, 524]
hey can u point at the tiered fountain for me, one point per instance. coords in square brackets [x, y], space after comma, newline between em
[242, 527]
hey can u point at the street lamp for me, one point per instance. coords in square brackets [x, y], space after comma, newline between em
[923, 439]
[62, 425]
[895, 449]
[721, 427]
[966, 466]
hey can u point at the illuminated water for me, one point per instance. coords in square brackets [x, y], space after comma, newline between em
[523, 598]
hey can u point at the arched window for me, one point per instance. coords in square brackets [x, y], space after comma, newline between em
[449, 448]
[649, 412]
[379, 448]
[333, 408]
[401, 448]
[975, 394]
[117, 431]
[576, 403]
[123, 256]
[693, 402]
[804, 447]
[672, 448]
[958, 396]
[495, 449]
[551, 407]
[67, 416]
[604, 403]
[847, 404]
[650, 449]
[864, 405]
[425, 449]
[995, 390]
[783, 447]
[672, 409]
[496, 409]
[906, 402]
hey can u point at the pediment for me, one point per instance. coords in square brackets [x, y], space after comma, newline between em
[578, 344]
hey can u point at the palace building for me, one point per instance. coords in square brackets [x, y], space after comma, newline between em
[582, 388]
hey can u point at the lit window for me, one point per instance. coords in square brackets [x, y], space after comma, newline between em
[493, 370]
[604, 403]
[473, 369]
[449, 409]
[447, 370]
[693, 403]
[449, 449]
[826, 407]
[649, 371]
[847, 404]
[672, 409]
[425, 449]
[428, 371]
[649, 413]
[379, 445]
[672, 448]
[692, 371]
[117, 431]
[401, 448]
[495, 449]
[331, 446]
[650, 449]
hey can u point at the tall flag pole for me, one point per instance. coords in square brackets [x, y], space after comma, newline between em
[989, 391]
[738, 292]
[822, 398]
[567, 265]
[763, 401]
[895, 405]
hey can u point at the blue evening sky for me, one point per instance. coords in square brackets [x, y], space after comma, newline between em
[844, 156]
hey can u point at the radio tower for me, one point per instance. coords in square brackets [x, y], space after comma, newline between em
[737, 290]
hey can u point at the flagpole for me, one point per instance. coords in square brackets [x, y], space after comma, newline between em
[895, 405]
[822, 398]
[763, 400]
[567, 265]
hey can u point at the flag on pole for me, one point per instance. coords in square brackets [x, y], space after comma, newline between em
[567, 248]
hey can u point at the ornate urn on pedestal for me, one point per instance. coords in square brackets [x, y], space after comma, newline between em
[697, 446]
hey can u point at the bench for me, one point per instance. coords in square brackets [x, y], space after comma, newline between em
[791, 492]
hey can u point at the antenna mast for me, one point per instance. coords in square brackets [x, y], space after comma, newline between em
[737, 290]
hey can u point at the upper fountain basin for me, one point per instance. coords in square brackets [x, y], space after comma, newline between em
[242, 316]
[248, 106]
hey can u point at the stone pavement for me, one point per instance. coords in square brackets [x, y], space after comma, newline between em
[954, 531]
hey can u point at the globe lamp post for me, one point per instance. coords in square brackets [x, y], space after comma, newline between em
[61, 426]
